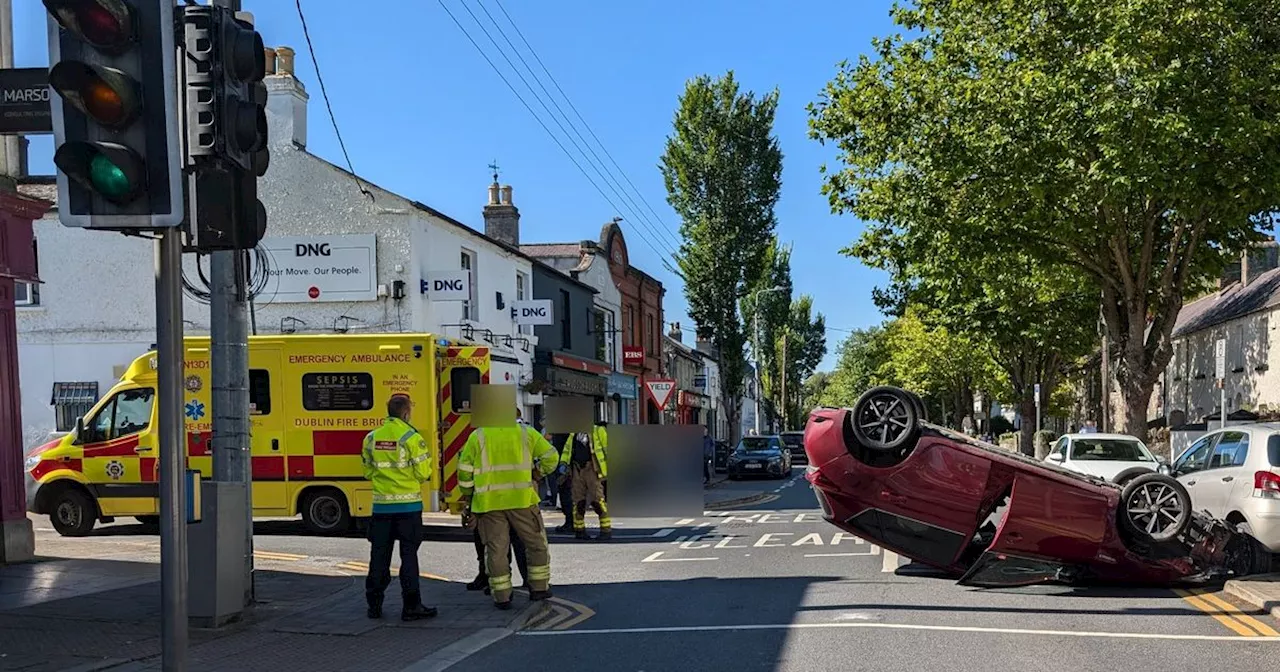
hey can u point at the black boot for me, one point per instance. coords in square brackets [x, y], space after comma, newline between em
[581, 534]
[503, 605]
[605, 535]
[536, 595]
[480, 583]
[375, 609]
[416, 611]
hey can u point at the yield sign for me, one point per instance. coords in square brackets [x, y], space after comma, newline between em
[660, 391]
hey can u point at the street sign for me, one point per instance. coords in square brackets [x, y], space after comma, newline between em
[1220, 353]
[660, 391]
[1037, 395]
[447, 285]
[24, 101]
[536, 312]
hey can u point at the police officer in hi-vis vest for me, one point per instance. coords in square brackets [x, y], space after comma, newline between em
[397, 460]
[496, 478]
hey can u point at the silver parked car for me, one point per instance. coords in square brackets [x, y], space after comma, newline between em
[1234, 474]
[1118, 458]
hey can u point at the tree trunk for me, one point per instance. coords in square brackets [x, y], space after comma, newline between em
[733, 408]
[1026, 438]
[1137, 398]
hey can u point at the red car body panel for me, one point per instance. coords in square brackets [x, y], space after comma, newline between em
[1057, 524]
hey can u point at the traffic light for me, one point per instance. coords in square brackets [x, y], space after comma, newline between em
[115, 121]
[227, 126]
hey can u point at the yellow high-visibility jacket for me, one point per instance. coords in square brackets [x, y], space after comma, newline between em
[599, 443]
[496, 466]
[398, 461]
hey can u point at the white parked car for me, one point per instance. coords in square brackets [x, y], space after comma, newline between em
[1234, 474]
[1114, 457]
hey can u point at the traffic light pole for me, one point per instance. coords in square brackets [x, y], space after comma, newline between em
[173, 523]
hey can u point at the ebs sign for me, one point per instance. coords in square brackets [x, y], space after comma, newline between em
[447, 285]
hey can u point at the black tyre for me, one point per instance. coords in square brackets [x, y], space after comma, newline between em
[1246, 555]
[73, 513]
[325, 511]
[1154, 508]
[1122, 479]
[149, 521]
[885, 419]
[921, 412]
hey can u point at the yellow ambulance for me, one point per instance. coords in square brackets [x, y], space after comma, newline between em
[312, 400]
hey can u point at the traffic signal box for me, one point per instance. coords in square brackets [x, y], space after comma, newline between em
[116, 127]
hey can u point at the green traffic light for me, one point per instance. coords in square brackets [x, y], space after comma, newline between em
[108, 178]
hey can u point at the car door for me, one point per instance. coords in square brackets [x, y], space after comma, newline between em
[1192, 463]
[1226, 465]
[268, 454]
[120, 455]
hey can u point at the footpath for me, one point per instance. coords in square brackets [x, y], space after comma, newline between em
[1261, 591]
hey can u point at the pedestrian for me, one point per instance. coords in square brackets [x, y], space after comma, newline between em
[397, 460]
[708, 455]
[496, 478]
[584, 458]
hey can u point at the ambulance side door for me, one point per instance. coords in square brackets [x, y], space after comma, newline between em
[120, 453]
[266, 431]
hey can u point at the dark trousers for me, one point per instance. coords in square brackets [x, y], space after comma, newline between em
[385, 529]
[517, 546]
[706, 470]
[566, 499]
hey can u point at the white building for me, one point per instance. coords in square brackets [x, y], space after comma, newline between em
[94, 312]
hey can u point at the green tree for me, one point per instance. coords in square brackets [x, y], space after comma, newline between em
[800, 348]
[1135, 141]
[767, 315]
[812, 392]
[859, 358]
[723, 172]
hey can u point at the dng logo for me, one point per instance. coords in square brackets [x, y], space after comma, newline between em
[538, 311]
[447, 285]
[312, 250]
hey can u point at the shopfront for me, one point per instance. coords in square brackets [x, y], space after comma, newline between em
[567, 375]
[623, 395]
[691, 407]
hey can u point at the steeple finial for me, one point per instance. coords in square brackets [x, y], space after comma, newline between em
[494, 167]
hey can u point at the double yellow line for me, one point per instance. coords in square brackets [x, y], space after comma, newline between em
[278, 557]
[1222, 611]
[363, 568]
[561, 614]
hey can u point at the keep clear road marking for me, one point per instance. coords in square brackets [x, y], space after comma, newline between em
[903, 626]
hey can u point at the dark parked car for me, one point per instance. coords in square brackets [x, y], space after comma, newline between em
[997, 518]
[759, 456]
[795, 442]
[723, 449]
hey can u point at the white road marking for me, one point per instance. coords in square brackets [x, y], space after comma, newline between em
[874, 550]
[903, 626]
[890, 562]
[685, 521]
[657, 557]
[666, 531]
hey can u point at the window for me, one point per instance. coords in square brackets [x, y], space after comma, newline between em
[71, 401]
[1196, 457]
[461, 380]
[1230, 451]
[337, 391]
[629, 328]
[28, 293]
[1059, 449]
[650, 343]
[566, 324]
[471, 307]
[259, 392]
[610, 338]
[600, 330]
[522, 295]
[1109, 449]
[128, 412]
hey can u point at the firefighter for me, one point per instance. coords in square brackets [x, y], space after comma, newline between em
[397, 461]
[584, 457]
[496, 478]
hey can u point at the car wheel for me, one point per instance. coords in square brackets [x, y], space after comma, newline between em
[1155, 508]
[1246, 555]
[73, 513]
[1122, 479]
[921, 413]
[325, 512]
[885, 419]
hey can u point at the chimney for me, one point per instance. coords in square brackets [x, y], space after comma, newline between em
[286, 101]
[501, 218]
[676, 335]
[1230, 274]
[1259, 259]
[706, 346]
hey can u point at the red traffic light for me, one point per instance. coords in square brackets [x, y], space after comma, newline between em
[244, 53]
[106, 24]
[107, 95]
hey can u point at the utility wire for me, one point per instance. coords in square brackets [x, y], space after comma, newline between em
[616, 185]
[544, 126]
[580, 117]
[325, 93]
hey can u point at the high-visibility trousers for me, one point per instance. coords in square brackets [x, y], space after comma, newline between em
[495, 530]
[588, 491]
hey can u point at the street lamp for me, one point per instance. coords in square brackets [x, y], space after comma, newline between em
[755, 347]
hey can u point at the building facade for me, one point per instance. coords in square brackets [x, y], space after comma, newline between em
[566, 359]
[709, 384]
[690, 404]
[341, 255]
[642, 320]
[586, 261]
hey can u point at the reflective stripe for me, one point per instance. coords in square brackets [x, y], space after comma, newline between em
[417, 460]
[503, 486]
[397, 497]
[462, 466]
[407, 436]
[539, 572]
[498, 583]
[466, 484]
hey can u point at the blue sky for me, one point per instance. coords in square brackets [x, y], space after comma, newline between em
[422, 113]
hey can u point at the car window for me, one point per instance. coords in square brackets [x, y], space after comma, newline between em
[1196, 457]
[128, 412]
[793, 440]
[1230, 451]
[1119, 450]
[754, 443]
[1059, 447]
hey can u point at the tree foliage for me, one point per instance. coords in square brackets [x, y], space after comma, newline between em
[804, 342]
[766, 311]
[1138, 142]
[723, 172]
[937, 363]
[859, 358]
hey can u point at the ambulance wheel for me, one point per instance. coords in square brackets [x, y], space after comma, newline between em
[73, 513]
[325, 511]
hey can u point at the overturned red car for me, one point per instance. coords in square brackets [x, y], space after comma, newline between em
[997, 518]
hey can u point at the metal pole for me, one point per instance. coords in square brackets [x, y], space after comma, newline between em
[1037, 388]
[10, 152]
[1106, 380]
[755, 352]
[1222, 387]
[173, 523]
[782, 372]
